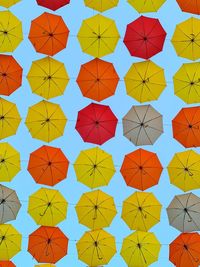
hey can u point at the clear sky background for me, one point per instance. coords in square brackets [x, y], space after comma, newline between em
[72, 144]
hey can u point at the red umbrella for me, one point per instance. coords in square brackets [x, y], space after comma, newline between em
[144, 37]
[52, 4]
[96, 123]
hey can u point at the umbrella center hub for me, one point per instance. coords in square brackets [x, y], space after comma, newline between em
[193, 40]
[97, 122]
[142, 124]
[190, 126]
[3, 74]
[2, 201]
[185, 247]
[48, 240]
[96, 244]
[185, 210]
[49, 204]
[50, 34]
[141, 168]
[5, 32]
[140, 208]
[96, 207]
[192, 83]
[145, 38]
[3, 237]
[99, 36]
[49, 163]
[98, 80]
[95, 165]
[139, 245]
[186, 169]
[47, 120]
[2, 160]
[2, 117]
[49, 77]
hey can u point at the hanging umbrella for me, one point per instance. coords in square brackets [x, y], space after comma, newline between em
[184, 212]
[48, 165]
[47, 244]
[97, 79]
[141, 211]
[145, 6]
[101, 5]
[184, 170]
[96, 209]
[96, 123]
[145, 81]
[53, 5]
[48, 34]
[98, 36]
[48, 77]
[96, 247]
[142, 125]
[144, 37]
[46, 121]
[140, 249]
[10, 243]
[94, 167]
[8, 3]
[186, 127]
[190, 6]
[186, 39]
[7, 264]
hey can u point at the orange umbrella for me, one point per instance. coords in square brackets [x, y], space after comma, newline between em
[97, 79]
[48, 165]
[190, 6]
[141, 169]
[7, 264]
[10, 75]
[48, 34]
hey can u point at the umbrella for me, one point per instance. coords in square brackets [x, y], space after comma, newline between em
[141, 211]
[101, 5]
[9, 118]
[144, 37]
[47, 207]
[184, 251]
[8, 3]
[186, 39]
[10, 243]
[145, 6]
[53, 5]
[186, 127]
[96, 209]
[97, 79]
[145, 81]
[48, 77]
[10, 75]
[142, 125]
[10, 31]
[45, 265]
[98, 36]
[94, 167]
[48, 34]
[96, 123]
[46, 121]
[48, 165]
[9, 204]
[140, 249]
[7, 264]
[184, 170]
[9, 162]
[47, 244]
[96, 247]
[190, 6]
[184, 212]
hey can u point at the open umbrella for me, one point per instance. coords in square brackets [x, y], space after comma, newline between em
[97, 79]
[145, 6]
[101, 5]
[96, 123]
[53, 5]
[98, 36]
[7, 264]
[48, 34]
[94, 167]
[8, 3]
[190, 6]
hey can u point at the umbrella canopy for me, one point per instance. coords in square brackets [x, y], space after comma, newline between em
[97, 79]
[94, 167]
[48, 34]
[186, 39]
[47, 207]
[142, 125]
[48, 244]
[46, 121]
[53, 5]
[101, 5]
[96, 247]
[145, 6]
[190, 6]
[144, 37]
[96, 209]
[8, 3]
[11, 241]
[141, 211]
[98, 36]
[186, 127]
[48, 165]
[184, 212]
[96, 123]
[10, 75]
[184, 170]
[140, 249]
[48, 77]
[7, 264]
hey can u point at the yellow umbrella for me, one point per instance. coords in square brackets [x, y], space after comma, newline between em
[140, 249]
[184, 170]
[8, 3]
[101, 5]
[96, 209]
[145, 81]
[96, 247]
[145, 6]
[48, 77]
[94, 167]
[98, 36]
[47, 207]
[10, 32]
[141, 211]
[46, 121]
[9, 118]
[186, 39]
[9, 162]
[10, 241]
